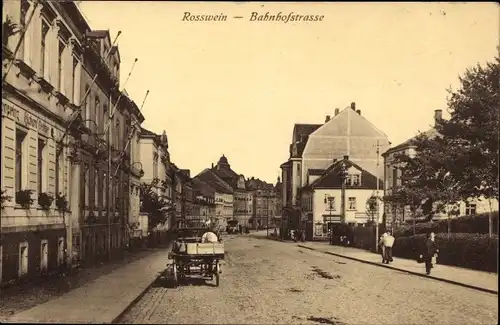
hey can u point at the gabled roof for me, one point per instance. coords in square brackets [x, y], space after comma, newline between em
[331, 178]
[202, 188]
[303, 130]
[431, 133]
[209, 177]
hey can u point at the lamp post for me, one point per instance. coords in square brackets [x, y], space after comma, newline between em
[330, 200]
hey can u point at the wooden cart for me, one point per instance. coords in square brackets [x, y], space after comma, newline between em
[201, 260]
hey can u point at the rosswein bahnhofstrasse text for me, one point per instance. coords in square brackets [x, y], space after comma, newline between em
[255, 16]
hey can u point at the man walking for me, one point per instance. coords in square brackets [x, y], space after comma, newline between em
[429, 251]
[382, 247]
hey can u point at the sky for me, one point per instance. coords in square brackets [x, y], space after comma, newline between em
[237, 87]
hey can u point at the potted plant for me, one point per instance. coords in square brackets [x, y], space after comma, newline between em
[4, 198]
[23, 198]
[45, 200]
[62, 203]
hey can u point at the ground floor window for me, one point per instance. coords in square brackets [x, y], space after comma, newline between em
[44, 255]
[23, 258]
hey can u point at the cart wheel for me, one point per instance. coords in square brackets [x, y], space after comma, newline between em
[217, 274]
[175, 275]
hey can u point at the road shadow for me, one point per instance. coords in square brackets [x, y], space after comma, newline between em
[323, 320]
[165, 280]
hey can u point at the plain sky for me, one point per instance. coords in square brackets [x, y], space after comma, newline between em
[237, 87]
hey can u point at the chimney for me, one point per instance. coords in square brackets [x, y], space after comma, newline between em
[353, 106]
[438, 115]
[327, 118]
[212, 165]
[346, 157]
[358, 111]
[337, 111]
[334, 160]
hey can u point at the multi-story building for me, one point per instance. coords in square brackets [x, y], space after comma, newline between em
[242, 198]
[314, 146]
[321, 198]
[264, 197]
[278, 207]
[396, 213]
[187, 194]
[157, 168]
[39, 93]
[205, 207]
[224, 197]
[100, 204]
[135, 172]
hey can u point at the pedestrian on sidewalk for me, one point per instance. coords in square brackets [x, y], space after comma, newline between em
[430, 250]
[381, 247]
[388, 240]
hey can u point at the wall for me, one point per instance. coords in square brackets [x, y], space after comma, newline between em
[350, 134]
[359, 215]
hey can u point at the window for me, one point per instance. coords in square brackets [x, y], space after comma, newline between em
[86, 105]
[20, 136]
[59, 164]
[86, 181]
[44, 255]
[356, 180]
[40, 173]
[44, 50]
[23, 259]
[60, 251]
[330, 203]
[96, 188]
[352, 203]
[98, 115]
[22, 25]
[60, 66]
[117, 134]
[395, 177]
[105, 191]
[470, 209]
[74, 81]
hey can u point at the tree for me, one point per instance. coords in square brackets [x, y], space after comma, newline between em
[156, 206]
[461, 160]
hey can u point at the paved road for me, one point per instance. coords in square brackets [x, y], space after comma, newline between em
[269, 282]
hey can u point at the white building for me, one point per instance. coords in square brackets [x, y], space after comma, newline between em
[321, 198]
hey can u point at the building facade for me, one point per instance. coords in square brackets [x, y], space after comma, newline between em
[397, 213]
[205, 206]
[314, 146]
[321, 198]
[224, 196]
[264, 203]
[158, 169]
[242, 204]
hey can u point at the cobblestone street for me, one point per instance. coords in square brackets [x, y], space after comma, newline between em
[266, 282]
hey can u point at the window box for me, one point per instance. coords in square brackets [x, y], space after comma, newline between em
[25, 69]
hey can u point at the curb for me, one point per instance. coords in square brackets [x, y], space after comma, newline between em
[134, 301]
[405, 271]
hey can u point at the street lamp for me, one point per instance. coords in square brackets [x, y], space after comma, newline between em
[141, 171]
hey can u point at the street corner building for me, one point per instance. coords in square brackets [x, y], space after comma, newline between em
[315, 146]
[64, 152]
[342, 193]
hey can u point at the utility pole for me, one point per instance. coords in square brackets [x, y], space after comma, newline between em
[378, 146]
[108, 181]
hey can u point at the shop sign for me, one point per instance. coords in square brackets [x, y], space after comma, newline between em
[29, 120]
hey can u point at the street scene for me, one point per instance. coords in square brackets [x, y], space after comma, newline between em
[248, 163]
[270, 282]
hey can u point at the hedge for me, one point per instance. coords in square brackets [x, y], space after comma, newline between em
[477, 224]
[472, 251]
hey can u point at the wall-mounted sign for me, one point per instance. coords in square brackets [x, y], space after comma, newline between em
[29, 120]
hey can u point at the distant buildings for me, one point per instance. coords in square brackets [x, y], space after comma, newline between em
[264, 203]
[315, 146]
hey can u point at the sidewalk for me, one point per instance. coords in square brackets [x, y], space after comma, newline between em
[478, 280]
[102, 300]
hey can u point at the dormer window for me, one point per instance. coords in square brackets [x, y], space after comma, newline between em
[356, 180]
